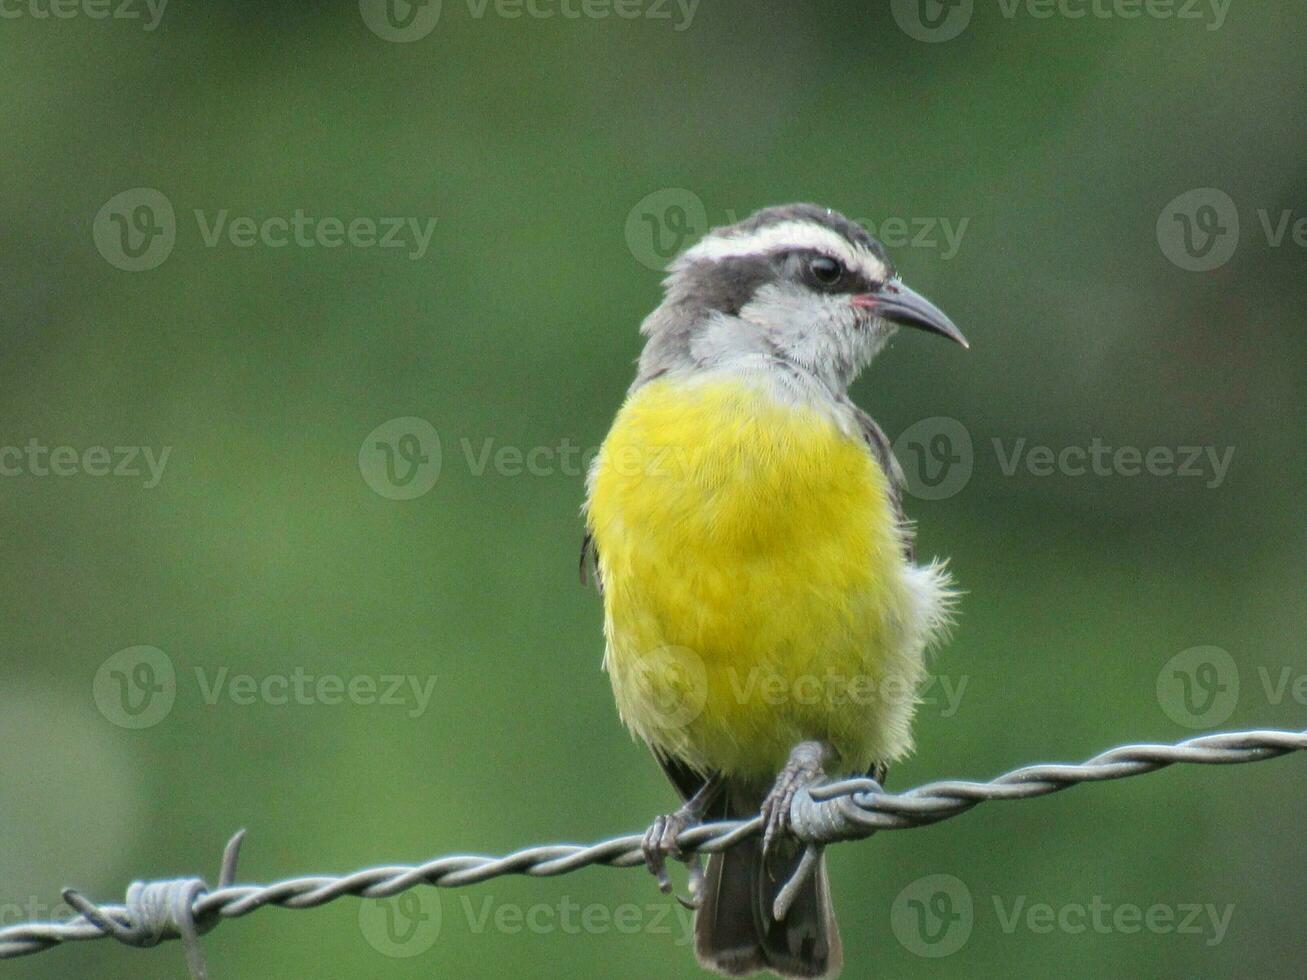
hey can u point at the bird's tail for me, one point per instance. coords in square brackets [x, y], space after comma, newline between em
[735, 931]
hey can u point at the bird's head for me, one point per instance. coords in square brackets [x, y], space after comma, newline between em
[799, 282]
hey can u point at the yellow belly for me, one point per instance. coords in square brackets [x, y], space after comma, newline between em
[754, 585]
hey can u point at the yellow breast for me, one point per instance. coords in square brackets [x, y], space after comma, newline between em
[754, 584]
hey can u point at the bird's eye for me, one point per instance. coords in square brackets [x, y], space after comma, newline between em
[826, 270]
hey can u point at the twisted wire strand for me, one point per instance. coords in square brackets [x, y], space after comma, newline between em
[846, 810]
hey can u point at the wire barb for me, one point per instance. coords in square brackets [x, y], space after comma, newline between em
[846, 810]
[157, 910]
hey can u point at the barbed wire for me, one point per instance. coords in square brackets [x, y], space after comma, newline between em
[851, 809]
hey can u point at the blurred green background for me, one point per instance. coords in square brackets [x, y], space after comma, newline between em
[535, 144]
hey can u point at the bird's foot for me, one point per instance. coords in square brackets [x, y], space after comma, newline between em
[806, 766]
[660, 841]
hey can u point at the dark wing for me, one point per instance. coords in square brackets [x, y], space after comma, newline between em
[879, 445]
[590, 562]
[687, 781]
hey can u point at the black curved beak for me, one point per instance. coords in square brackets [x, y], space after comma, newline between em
[899, 304]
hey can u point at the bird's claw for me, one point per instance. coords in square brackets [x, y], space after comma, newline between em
[802, 770]
[660, 842]
[694, 886]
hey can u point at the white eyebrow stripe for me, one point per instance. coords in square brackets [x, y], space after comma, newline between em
[789, 235]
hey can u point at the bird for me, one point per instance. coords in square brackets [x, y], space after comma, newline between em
[766, 620]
